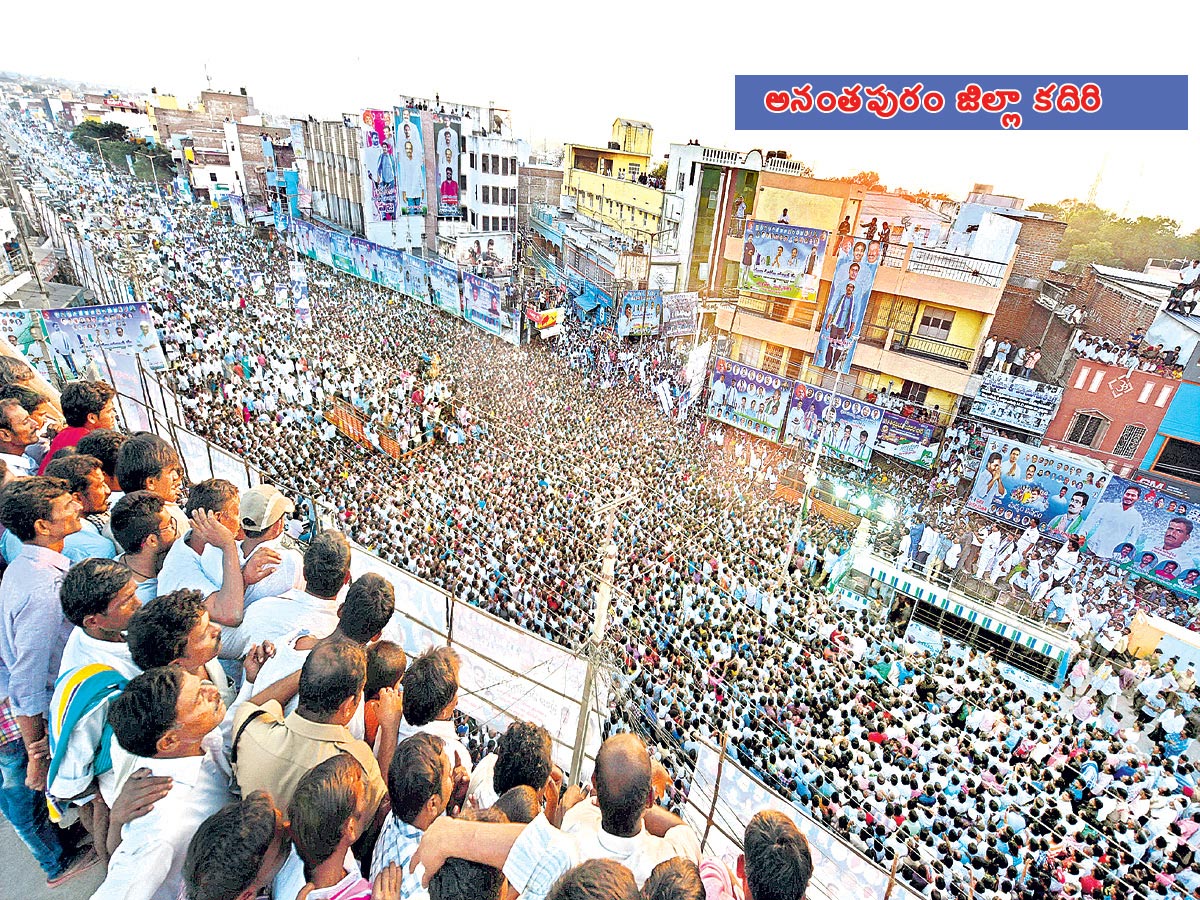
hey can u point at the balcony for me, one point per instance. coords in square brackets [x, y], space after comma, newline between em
[933, 349]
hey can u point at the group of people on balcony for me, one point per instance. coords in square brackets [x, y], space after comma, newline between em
[1009, 357]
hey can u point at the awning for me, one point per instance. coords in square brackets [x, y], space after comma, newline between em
[586, 302]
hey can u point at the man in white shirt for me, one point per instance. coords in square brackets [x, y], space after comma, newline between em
[430, 697]
[262, 511]
[326, 570]
[1113, 524]
[624, 823]
[166, 720]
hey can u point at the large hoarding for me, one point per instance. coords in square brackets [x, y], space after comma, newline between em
[1016, 402]
[1150, 527]
[411, 188]
[847, 429]
[748, 398]
[481, 303]
[443, 280]
[446, 165]
[378, 167]
[783, 260]
[641, 314]
[679, 314]
[486, 253]
[1019, 484]
[22, 329]
[78, 336]
[908, 439]
[841, 322]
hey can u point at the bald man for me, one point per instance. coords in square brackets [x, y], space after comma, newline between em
[623, 822]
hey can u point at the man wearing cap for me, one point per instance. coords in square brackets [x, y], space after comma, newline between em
[262, 511]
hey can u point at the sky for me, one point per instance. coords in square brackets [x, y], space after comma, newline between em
[567, 70]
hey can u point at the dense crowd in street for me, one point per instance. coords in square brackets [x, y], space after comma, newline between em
[976, 786]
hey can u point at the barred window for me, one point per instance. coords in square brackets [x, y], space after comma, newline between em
[1128, 442]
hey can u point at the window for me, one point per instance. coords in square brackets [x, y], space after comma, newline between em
[495, 223]
[1127, 443]
[504, 166]
[794, 363]
[486, 194]
[935, 323]
[635, 170]
[474, 220]
[1085, 428]
[485, 224]
[506, 224]
[773, 358]
[749, 350]
[484, 157]
[1178, 458]
[212, 176]
[495, 164]
[512, 164]
[472, 160]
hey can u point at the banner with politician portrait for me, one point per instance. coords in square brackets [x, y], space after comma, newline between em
[297, 280]
[783, 260]
[841, 321]
[1150, 527]
[341, 255]
[1019, 484]
[481, 303]
[748, 398]
[641, 314]
[415, 285]
[445, 162]
[78, 336]
[391, 268]
[485, 253]
[443, 279]
[410, 164]
[378, 167]
[847, 428]
[908, 439]
[366, 263]
[21, 330]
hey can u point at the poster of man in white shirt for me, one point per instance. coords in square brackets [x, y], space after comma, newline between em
[1115, 522]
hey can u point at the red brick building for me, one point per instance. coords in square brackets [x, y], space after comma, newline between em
[1109, 414]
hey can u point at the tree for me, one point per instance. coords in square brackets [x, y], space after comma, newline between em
[866, 179]
[659, 171]
[1099, 236]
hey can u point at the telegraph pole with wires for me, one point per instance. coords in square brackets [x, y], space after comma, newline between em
[604, 593]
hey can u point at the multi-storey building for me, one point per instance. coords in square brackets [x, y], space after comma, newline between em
[332, 149]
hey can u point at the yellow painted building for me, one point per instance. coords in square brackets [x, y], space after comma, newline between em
[603, 182]
[928, 312]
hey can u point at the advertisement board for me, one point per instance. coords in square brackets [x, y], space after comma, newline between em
[487, 253]
[481, 303]
[391, 268]
[411, 188]
[679, 313]
[1016, 402]
[443, 278]
[341, 255]
[378, 167]
[1149, 527]
[641, 314]
[77, 336]
[445, 163]
[415, 285]
[21, 329]
[908, 439]
[857, 262]
[748, 398]
[783, 260]
[1019, 484]
[847, 429]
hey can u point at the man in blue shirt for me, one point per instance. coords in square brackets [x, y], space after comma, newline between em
[85, 475]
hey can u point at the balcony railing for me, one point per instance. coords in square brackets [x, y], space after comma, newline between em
[958, 268]
[932, 348]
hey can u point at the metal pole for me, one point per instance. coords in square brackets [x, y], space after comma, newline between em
[599, 623]
[712, 809]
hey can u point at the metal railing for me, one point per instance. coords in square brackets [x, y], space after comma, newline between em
[941, 264]
[931, 348]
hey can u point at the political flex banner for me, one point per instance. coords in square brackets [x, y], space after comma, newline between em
[391, 265]
[444, 280]
[1019, 484]
[1151, 528]
[907, 439]
[342, 254]
[641, 314]
[410, 164]
[847, 428]
[783, 260]
[679, 314]
[378, 167]
[415, 285]
[748, 398]
[80, 335]
[857, 262]
[481, 301]
[297, 279]
[445, 164]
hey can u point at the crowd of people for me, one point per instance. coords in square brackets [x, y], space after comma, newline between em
[1136, 354]
[927, 758]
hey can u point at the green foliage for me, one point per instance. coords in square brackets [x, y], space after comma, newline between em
[1096, 235]
[866, 179]
[112, 141]
[659, 171]
[86, 132]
